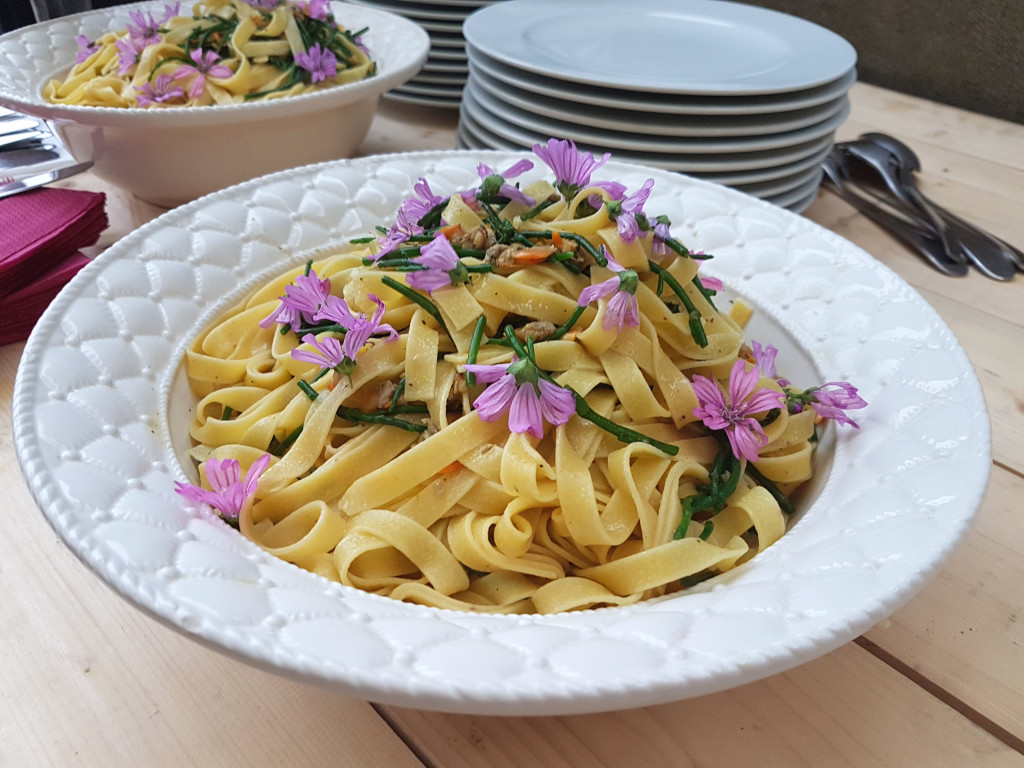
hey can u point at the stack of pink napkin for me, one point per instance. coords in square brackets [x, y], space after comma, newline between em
[41, 232]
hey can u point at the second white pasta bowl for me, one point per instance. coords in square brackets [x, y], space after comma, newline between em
[170, 156]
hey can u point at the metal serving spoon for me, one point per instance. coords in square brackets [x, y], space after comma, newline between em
[990, 255]
[924, 243]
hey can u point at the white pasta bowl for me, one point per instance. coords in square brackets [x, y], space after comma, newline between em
[170, 156]
[99, 407]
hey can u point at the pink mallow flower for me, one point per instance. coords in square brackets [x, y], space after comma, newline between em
[494, 184]
[421, 201]
[128, 51]
[622, 306]
[321, 63]
[661, 233]
[145, 29]
[317, 9]
[359, 328]
[764, 358]
[86, 48]
[407, 221]
[571, 167]
[159, 91]
[443, 267]
[518, 388]
[230, 493]
[205, 65]
[832, 400]
[300, 302]
[328, 353]
[733, 412]
[626, 211]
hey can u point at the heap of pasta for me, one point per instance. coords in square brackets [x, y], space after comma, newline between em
[511, 400]
[224, 52]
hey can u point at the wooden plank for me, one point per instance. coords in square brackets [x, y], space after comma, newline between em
[845, 709]
[913, 118]
[964, 631]
[88, 678]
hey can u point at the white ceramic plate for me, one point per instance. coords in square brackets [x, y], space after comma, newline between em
[475, 136]
[446, 66]
[660, 103]
[479, 101]
[662, 46]
[445, 102]
[97, 404]
[417, 11]
[414, 86]
[798, 198]
[665, 125]
[687, 163]
[443, 79]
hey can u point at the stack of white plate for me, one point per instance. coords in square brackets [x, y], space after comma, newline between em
[732, 93]
[440, 82]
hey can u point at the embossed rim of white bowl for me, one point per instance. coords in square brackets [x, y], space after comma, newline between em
[399, 46]
[865, 546]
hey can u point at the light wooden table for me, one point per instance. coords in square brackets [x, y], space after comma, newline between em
[87, 679]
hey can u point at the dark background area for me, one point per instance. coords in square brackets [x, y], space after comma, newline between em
[968, 54]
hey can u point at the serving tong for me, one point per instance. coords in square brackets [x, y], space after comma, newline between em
[875, 174]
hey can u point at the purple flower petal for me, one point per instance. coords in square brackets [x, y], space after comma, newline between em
[230, 493]
[438, 254]
[301, 301]
[497, 398]
[486, 373]
[321, 63]
[622, 310]
[525, 414]
[327, 353]
[557, 403]
[428, 280]
[733, 413]
[833, 403]
[571, 167]
[592, 293]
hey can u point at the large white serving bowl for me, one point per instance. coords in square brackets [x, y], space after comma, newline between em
[100, 413]
[171, 156]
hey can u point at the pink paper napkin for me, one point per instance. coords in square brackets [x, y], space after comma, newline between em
[41, 232]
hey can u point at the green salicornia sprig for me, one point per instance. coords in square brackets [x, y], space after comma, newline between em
[307, 390]
[722, 482]
[537, 209]
[784, 503]
[280, 448]
[474, 348]
[621, 433]
[379, 417]
[432, 218]
[399, 391]
[568, 324]
[696, 326]
[416, 298]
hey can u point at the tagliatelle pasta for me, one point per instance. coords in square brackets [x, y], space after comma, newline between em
[224, 52]
[513, 400]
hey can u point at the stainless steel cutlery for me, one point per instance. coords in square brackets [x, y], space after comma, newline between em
[876, 175]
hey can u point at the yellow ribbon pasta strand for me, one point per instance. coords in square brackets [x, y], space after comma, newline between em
[419, 463]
